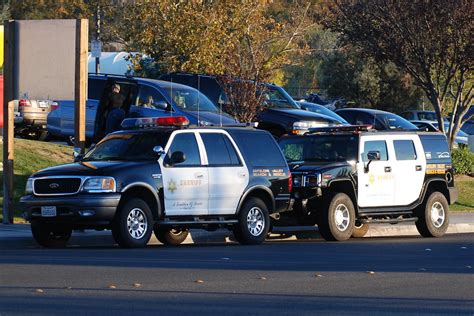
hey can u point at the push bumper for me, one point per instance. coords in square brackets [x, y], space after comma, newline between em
[453, 195]
[78, 210]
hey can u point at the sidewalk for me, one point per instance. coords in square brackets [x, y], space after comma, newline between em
[20, 234]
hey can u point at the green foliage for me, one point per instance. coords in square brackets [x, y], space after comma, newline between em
[463, 161]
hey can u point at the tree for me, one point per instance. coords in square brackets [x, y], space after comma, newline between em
[430, 40]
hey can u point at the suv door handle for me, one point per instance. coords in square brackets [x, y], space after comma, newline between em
[241, 174]
[418, 168]
[198, 175]
[388, 169]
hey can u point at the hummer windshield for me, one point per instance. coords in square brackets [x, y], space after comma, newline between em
[127, 147]
[320, 148]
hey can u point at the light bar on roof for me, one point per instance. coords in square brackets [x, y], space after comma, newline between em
[141, 122]
[342, 128]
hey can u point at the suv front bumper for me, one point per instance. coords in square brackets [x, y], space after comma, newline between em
[77, 210]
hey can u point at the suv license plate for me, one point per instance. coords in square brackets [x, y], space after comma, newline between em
[43, 104]
[48, 211]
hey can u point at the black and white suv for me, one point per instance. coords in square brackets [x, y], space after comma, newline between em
[163, 179]
[345, 178]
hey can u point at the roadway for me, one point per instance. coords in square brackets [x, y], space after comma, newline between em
[376, 275]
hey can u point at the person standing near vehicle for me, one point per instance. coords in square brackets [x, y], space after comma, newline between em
[115, 113]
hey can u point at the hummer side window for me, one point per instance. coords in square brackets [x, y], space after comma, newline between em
[404, 150]
[375, 145]
[186, 143]
[220, 151]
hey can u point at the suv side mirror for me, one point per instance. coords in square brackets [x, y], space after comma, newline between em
[158, 150]
[176, 157]
[371, 155]
[161, 105]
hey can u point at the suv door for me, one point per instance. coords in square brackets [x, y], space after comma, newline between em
[185, 184]
[408, 168]
[228, 175]
[377, 186]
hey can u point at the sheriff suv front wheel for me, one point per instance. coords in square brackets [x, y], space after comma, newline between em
[337, 221]
[254, 222]
[133, 224]
[433, 217]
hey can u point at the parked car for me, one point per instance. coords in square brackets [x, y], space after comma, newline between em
[31, 117]
[419, 115]
[143, 98]
[346, 178]
[165, 179]
[282, 115]
[380, 120]
[460, 140]
[320, 109]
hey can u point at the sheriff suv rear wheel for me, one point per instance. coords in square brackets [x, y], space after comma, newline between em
[337, 222]
[49, 235]
[254, 222]
[433, 217]
[132, 226]
[171, 236]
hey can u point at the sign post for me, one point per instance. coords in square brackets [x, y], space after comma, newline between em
[82, 29]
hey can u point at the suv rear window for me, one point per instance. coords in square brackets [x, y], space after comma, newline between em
[260, 149]
[436, 148]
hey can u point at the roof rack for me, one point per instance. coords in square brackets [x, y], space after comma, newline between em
[343, 128]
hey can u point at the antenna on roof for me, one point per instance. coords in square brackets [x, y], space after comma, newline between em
[171, 94]
[199, 92]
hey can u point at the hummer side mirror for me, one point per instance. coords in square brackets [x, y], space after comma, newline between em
[371, 155]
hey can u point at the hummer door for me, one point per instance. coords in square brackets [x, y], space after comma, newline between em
[185, 179]
[376, 183]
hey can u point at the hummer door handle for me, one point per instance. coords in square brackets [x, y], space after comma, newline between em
[388, 169]
[418, 168]
[242, 174]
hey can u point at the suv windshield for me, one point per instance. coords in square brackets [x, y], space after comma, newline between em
[320, 148]
[394, 121]
[127, 147]
[275, 98]
[189, 99]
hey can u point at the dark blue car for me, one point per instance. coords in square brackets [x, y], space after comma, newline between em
[143, 98]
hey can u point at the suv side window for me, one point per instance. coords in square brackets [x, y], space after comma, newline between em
[220, 151]
[149, 98]
[186, 143]
[259, 149]
[375, 145]
[404, 150]
[364, 119]
[95, 88]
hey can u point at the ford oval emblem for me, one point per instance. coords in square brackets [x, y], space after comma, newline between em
[54, 185]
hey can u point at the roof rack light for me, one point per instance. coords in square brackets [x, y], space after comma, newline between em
[142, 122]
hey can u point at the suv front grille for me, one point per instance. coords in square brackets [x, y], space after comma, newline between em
[53, 186]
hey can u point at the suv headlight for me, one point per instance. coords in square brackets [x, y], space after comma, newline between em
[301, 127]
[99, 185]
[29, 186]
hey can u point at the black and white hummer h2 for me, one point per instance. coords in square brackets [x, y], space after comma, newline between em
[165, 179]
[345, 178]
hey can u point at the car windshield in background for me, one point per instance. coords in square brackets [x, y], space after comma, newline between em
[188, 99]
[127, 147]
[276, 99]
[320, 148]
[395, 122]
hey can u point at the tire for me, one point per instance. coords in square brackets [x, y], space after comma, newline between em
[133, 224]
[337, 221]
[50, 236]
[171, 236]
[433, 217]
[360, 230]
[254, 223]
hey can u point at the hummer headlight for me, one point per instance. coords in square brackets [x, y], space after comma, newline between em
[29, 186]
[312, 180]
[99, 185]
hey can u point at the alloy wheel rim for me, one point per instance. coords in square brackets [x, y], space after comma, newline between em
[341, 217]
[137, 223]
[255, 221]
[437, 214]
